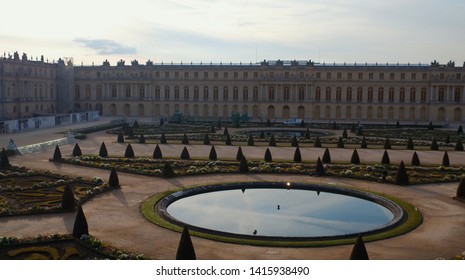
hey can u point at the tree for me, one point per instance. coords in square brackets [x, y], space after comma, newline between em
[355, 159]
[320, 170]
[317, 142]
[434, 145]
[80, 227]
[167, 171]
[157, 152]
[185, 248]
[402, 176]
[268, 157]
[135, 124]
[385, 159]
[250, 141]
[387, 144]
[340, 143]
[185, 154]
[415, 159]
[302, 123]
[129, 153]
[445, 159]
[163, 138]
[228, 140]
[326, 156]
[243, 165]
[77, 150]
[458, 145]
[294, 141]
[113, 180]
[359, 252]
[103, 150]
[364, 144]
[4, 161]
[461, 189]
[460, 130]
[272, 141]
[225, 132]
[430, 126]
[131, 132]
[206, 139]
[262, 134]
[142, 139]
[239, 154]
[68, 201]
[184, 140]
[297, 155]
[410, 145]
[212, 155]
[57, 153]
[447, 139]
[307, 134]
[345, 134]
[120, 137]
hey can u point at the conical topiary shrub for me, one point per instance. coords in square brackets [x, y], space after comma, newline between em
[163, 139]
[364, 144]
[415, 159]
[319, 170]
[225, 131]
[359, 252]
[262, 134]
[157, 152]
[385, 159]
[80, 227]
[272, 141]
[131, 132]
[68, 201]
[460, 130]
[206, 139]
[167, 171]
[185, 154]
[410, 145]
[317, 142]
[294, 142]
[103, 150]
[243, 165]
[57, 153]
[461, 189]
[4, 161]
[185, 248]
[250, 141]
[77, 150]
[268, 123]
[445, 159]
[402, 176]
[129, 153]
[326, 156]
[302, 123]
[239, 154]
[113, 180]
[135, 124]
[355, 159]
[297, 155]
[458, 145]
[185, 140]
[120, 138]
[212, 155]
[228, 140]
[447, 139]
[387, 144]
[340, 143]
[430, 126]
[142, 139]
[434, 145]
[268, 157]
[345, 134]
[307, 134]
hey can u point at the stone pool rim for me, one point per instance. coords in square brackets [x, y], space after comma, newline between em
[160, 207]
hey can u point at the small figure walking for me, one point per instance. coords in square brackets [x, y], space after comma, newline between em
[279, 207]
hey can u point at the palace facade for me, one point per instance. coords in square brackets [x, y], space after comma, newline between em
[275, 90]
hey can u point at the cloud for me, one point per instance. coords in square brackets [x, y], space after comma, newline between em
[106, 47]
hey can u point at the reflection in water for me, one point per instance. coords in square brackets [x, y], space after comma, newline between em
[278, 212]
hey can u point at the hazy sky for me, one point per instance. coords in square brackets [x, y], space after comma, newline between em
[248, 31]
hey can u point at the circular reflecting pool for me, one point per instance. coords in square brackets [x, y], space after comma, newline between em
[279, 210]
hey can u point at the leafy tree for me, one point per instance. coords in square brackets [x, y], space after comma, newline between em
[385, 159]
[434, 145]
[458, 145]
[294, 141]
[402, 176]
[212, 155]
[445, 159]
[243, 165]
[460, 130]
[297, 155]
[113, 180]
[103, 150]
[272, 141]
[355, 159]
[167, 171]
[239, 154]
[268, 157]
[157, 152]
[57, 153]
[68, 201]
[185, 248]
[410, 145]
[320, 170]
[80, 224]
[461, 189]
[120, 137]
[317, 142]
[163, 138]
[415, 159]
[185, 141]
[228, 140]
[129, 153]
[142, 139]
[326, 156]
[345, 134]
[206, 139]
[4, 161]
[387, 144]
[77, 150]
[359, 252]
[185, 154]
[250, 141]
[364, 144]
[340, 143]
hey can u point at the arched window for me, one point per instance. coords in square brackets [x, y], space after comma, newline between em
[225, 93]
[370, 94]
[270, 112]
[215, 110]
[380, 114]
[318, 94]
[141, 110]
[328, 94]
[255, 93]
[413, 95]
[286, 93]
[380, 95]
[391, 95]
[127, 109]
[441, 114]
[245, 93]
[235, 93]
[327, 112]
[423, 95]
[186, 93]
[348, 112]
[316, 113]
[271, 94]
[205, 93]
[301, 112]
[112, 110]
[301, 93]
[338, 94]
[286, 112]
[349, 94]
[359, 94]
[167, 93]
[441, 94]
[176, 93]
[457, 115]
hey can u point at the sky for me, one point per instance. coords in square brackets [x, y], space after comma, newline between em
[91, 31]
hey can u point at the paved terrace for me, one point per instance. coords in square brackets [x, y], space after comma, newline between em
[115, 218]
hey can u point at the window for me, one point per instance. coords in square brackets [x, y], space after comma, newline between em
[349, 94]
[458, 95]
[339, 75]
[128, 91]
[402, 95]
[271, 75]
[225, 75]
[176, 75]
[338, 94]
[99, 92]
[413, 95]
[318, 94]
[271, 93]
[114, 93]
[381, 95]
[157, 93]
[414, 76]
[370, 95]
[167, 93]
[167, 75]
[423, 95]
[370, 76]
[286, 75]
[360, 76]
[186, 75]
[77, 93]
[196, 92]
[318, 75]
[235, 93]
[205, 93]
[141, 91]
[328, 94]
[236, 75]
[349, 76]
[196, 75]
[286, 93]
[205, 75]
[359, 94]
[402, 76]
[157, 74]
[87, 92]
[225, 93]
[215, 75]
[391, 95]
[246, 75]
[425, 76]
[441, 95]
[245, 94]
[328, 75]
[176, 93]
[381, 76]
[392, 76]
[301, 75]
[255, 93]
[186, 93]
[458, 76]
[301, 93]
[255, 75]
